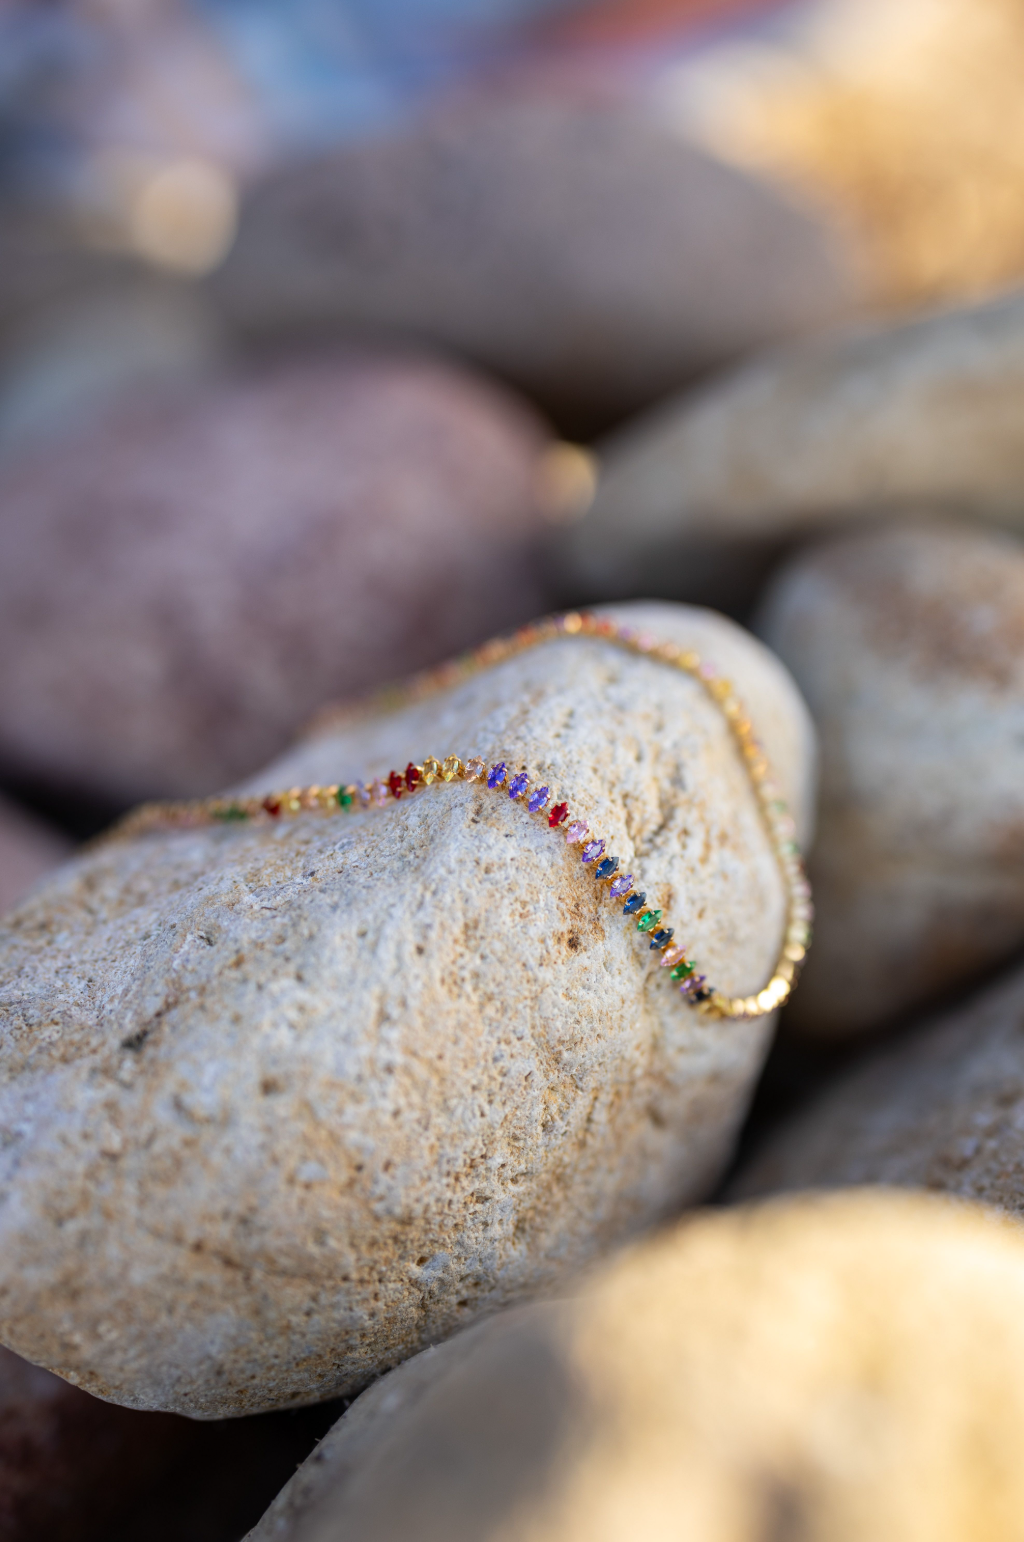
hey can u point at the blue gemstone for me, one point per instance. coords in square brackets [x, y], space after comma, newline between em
[633, 904]
[606, 868]
[518, 785]
[663, 938]
[496, 775]
[538, 799]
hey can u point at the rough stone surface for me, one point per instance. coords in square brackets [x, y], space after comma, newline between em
[695, 498]
[908, 645]
[574, 245]
[28, 850]
[184, 582]
[834, 1367]
[280, 1104]
[69, 1463]
[942, 1110]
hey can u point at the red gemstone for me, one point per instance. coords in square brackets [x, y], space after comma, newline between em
[272, 806]
[558, 814]
[412, 776]
[396, 783]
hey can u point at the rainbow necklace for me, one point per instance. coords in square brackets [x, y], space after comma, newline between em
[538, 799]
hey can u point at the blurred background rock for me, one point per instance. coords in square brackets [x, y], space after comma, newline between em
[337, 336]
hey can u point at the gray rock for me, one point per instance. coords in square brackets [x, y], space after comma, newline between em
[574, 245]
[942, 1110]
[282, 1103]
[842, 1366]
[184, 581]
[908, 645]
[697, 497]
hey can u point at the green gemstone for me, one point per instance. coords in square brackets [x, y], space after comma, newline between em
[649, 919]
[231, 812]
[345, 798]
[681, 970]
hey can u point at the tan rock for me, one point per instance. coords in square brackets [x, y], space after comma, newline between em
[280, 1104]
[697, 496]
[944, 1110]
[574, 245]
[908, 645]
[183, 583]
[838, 1367]
[29, 848]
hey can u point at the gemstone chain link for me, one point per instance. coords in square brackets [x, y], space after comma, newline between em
[539, 800]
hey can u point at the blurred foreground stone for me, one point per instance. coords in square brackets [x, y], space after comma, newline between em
[183, 583]
[943, 1109]
[833, 1368]
[576, 246]
[28, 849]
[281, 1103]
[908, 645]
[698, 497]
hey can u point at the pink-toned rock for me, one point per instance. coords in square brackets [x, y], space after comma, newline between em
[28, 850]
[185, 581]
[69, 1464]
[573, 244]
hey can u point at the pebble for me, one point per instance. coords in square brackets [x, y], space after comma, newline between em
[697, 499]
[573, 244]
[943, 1109]
[842, 1366]
[908, 645]
[184, 581]
[281, 1103]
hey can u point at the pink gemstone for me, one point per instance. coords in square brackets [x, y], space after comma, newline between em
[706, 671]
[576, 831]
[378, 792]
[672, 956]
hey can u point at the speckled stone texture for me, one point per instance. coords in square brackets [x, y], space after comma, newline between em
[909, 647]
[29, 848]
[944, 1109]
[569, 242]
[281, 1104]
[837, 1367]
[184, 581]
[695, 498]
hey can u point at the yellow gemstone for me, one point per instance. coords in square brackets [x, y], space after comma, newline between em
[452, 768]
[431, 769]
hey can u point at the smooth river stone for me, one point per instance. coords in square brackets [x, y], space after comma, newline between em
[696, 498]
[908, 645]
[944, 1109]
[843, 1367]
[184, 581]
[283, 1103]
[570, 243]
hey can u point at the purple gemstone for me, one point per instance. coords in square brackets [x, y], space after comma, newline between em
[621, 886]
[496, 775]
[692, 983]
[518, 785]
[592, 850]
[538, 799]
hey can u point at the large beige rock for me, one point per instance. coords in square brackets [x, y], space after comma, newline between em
[942, 1110]
[909, 647]
[574, 245]
[843, 1368]
[280, 1104]
[29, 849]
[695, 497]
[184, 581]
